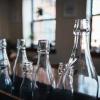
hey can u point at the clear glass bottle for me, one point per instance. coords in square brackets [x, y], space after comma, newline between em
[5, 70]
[26, 88]
[84, 70]
[18, 65]
[65, 78]
[80, 74]
[44, 75]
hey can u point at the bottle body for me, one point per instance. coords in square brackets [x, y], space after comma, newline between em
[5, 80]
[26, 88]
[44, 74]
[21, 58]
[84, 70]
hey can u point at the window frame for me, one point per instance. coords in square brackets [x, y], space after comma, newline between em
[52, 48]
[90, 16]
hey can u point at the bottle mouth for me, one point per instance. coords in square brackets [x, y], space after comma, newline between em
[21, 43]
[43, 46]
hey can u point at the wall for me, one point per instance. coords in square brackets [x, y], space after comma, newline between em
[15, 19]
[11, 19]
[4, 19]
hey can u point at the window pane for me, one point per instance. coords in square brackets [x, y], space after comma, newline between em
[95, 40]
[26, 19]
[44, 30]
[44, 9]
[96, 7]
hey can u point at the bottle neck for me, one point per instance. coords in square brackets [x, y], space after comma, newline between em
[21, 55]
[83, 55]
[81, 45]
[43, 59]
[3, 57]
[75, 47]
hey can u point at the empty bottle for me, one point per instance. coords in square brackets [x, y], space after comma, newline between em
[44, 75]
[5, 68]
[18, 65]
[85, 79]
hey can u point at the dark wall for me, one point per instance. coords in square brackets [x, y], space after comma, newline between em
[4, 19]
[11, 19]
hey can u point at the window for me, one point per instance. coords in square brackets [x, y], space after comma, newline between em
[95, 34]
[39, 21]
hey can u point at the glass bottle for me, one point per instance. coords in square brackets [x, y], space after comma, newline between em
[80, 70]
[26, 88]
[65, 78]
[5, 70]
[18, 65]
[84, 70]
[44, 75]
